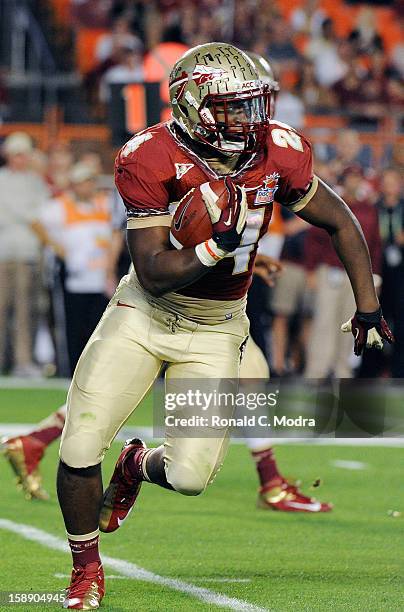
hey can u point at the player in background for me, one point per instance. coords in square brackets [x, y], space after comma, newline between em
[24, 453]
[275, 492]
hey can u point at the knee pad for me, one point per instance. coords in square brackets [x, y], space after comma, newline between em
[192, 463]
[82, 449]
[186, 479]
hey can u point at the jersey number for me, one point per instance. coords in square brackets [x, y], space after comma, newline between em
[255, 219]
[286, 138]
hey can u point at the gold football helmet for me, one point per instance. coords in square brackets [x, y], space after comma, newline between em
[218, 98]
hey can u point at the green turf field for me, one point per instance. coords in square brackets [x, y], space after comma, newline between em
[351, 559]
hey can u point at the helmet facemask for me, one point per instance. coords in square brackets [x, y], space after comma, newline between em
[234, 123]
[267, 77]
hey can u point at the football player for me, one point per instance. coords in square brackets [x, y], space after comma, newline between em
[275, 492]
[24, 453]
[186, 307]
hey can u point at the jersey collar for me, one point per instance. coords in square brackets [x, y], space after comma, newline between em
[251, 161]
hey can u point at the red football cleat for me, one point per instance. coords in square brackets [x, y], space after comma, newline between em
[86, 588]
[24, 454]
[122, 491]
[286, 497]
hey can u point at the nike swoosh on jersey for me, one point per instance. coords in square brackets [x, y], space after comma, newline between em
[313, 507]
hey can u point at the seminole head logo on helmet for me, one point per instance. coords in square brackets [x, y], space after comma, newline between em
[201, 75]
[218, 98]
[205, 74]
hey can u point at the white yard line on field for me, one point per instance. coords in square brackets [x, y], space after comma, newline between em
[194, 578]
[14, 382]
[107, 577]
[130, 570]
[218, 579]
[349, 465]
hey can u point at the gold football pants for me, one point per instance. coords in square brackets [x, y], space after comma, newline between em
[119, 365]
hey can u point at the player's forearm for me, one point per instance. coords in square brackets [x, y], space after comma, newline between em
[159, 268]
[170, 270]
[351, 248]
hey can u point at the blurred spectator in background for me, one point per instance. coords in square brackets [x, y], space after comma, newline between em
[91, 13]
[244, 25]
[364, 36]
[325, 171]
[395, 95]
[289, 108]
[391, 219]
[308, 18]
[315, 97]
[77, 226]
[4, 94]
[397, 58]
[206, 27]
[397, 157]
[363, 93]
[159, 61]
[390, 206]
[347, 90]
[39, 163]
[373, 91]
[21, 194]
[329, 350]
[281, 48]
[291, 301]
[93, 160]
[135, 11]
[322, 50]
[348, 151]
[129, 69]
[113, 50]
[120, 37]
[60, 162]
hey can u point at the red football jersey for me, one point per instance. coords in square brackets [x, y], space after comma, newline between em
[154, 169]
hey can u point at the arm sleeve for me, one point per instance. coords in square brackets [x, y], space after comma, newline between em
[298, 184]
[143, 187]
